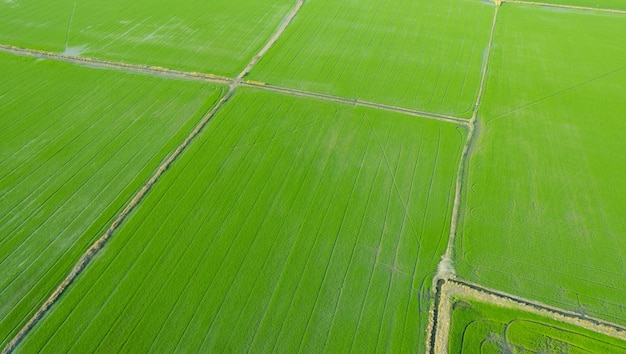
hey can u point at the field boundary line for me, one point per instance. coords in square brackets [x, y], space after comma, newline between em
[158, 71]
[355, 102]
[106, 64]
[448, 289]
[446, 265]
[563, 6]
[101, 242]
[281, 29]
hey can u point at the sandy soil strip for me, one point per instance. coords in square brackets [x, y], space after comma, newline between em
[448, 289]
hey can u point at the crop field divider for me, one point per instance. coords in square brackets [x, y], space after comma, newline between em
[447, 289]
[283, 26]
[446, 267]
[356, 102]
[560, 6]
[210, 78]
[106, 64]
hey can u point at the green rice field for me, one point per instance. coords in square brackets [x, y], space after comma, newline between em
[544, 209]
[479, 327]
[424, 55]
[205, 36]
[73, 150]
[301, 196]
[290, 224]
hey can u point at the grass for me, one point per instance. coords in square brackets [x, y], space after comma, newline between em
[74, 147]
[289, 224]
[424, 55]
[543, 215]
[194, 35]
[479, 327]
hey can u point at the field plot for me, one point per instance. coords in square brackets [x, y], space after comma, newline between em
[289, 224]
[75, 144]
[478, 327]
[424, 55]
[36, 24]
[544, 211]
[600, 4]
[215, 37]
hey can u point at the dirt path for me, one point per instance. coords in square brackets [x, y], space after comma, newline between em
[446, 265]
[356, 102]
[106, 64]
[177, 74]
[439, 325]
[275, 37]
[571, 7]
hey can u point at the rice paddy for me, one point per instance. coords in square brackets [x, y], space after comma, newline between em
[215, 37]
[424, 55]
[479, 327]
[74, 148]
[289, 224]
[280, 176]
[544, 216]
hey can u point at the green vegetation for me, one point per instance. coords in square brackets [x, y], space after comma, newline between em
[600, 4]
[289, 224]
[478, 327]
[210, 36]
[74, 147]
[35, 24]
[423, 55]
[297, 224]
[544, 211]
